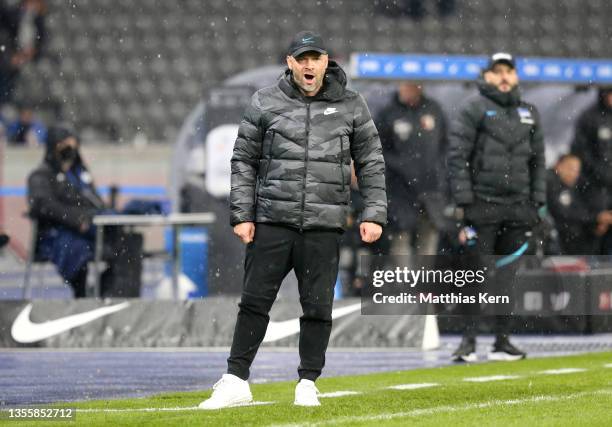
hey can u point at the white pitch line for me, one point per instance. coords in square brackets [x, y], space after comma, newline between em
[340, 393]
[446, 409]
[412, 386]
[608, 365]
[170, 409]
[491, 378]
[562, 371]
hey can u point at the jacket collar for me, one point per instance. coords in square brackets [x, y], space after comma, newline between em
[505, 99]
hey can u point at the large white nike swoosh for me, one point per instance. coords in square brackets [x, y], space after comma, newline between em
[279, 330]
[25, 331]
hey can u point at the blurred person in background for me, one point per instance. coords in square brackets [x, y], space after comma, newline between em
[415, 9]
[593, 146]
[22, 35]
[352, 273]
[27, 129]
[577, 226]
[4, 239]
[3, 125]
[63, 199]
[498, 181]
[413, 134]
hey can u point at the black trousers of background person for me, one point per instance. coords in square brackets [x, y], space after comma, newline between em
[501, 230]
[274, 252]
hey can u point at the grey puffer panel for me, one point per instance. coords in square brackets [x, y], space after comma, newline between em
[291, 160]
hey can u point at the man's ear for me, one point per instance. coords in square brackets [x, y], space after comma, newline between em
[290, 61]
[326, 60]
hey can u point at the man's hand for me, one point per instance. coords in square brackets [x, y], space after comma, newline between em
[604, 220]
[84, 227]
[246, 231]
[601, 229]
[370, 231]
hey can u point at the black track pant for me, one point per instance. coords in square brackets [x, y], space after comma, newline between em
[269, 258]
[501, 230]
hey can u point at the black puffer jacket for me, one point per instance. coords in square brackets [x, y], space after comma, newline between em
[573, 220]
[593, 143]
[496, 151]
[291, 161]
[53, 198]
[414, 141]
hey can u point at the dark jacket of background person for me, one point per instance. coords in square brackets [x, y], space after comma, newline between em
[496, 150]
[573, 220]
[12, 55]
[296, 153]
[56, 200]
[593, 145]
[414, 141]
[64, 203]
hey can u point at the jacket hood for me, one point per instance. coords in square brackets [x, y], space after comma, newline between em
[505, 99]
[334, 84]
[55, 135]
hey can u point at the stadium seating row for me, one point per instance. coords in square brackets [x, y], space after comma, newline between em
[143, 65]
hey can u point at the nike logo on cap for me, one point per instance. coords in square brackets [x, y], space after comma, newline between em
[279, 330]
[25, 331]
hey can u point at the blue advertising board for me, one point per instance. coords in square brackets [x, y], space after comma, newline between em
[387, 66]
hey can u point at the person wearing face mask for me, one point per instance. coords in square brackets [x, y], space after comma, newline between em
[497, 175]
[63, 199]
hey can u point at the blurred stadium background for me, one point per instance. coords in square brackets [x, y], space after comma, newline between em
[136, 77]
[120, 68]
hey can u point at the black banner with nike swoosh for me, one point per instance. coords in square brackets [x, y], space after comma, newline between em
[208, 322]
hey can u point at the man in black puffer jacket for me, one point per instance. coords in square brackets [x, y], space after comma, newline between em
[593, 146]
[413, 133]
[498, 178]
[291, 172]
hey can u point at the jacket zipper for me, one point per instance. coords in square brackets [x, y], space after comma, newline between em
[305, 165]
[342, 161]
[265, 177]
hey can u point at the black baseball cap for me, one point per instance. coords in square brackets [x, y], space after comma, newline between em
[306, 41]
[501, 58]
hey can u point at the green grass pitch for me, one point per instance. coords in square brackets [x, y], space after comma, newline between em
[572, 390]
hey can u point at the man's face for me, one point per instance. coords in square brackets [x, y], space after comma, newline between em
[308, 71]
[608, 99]
[26, 115]
[410, 93]
[502, 76]
[569, 170]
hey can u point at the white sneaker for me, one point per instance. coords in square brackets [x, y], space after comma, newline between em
[228, 391]
[306, 394]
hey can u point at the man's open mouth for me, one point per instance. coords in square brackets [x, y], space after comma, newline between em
[309, 78]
